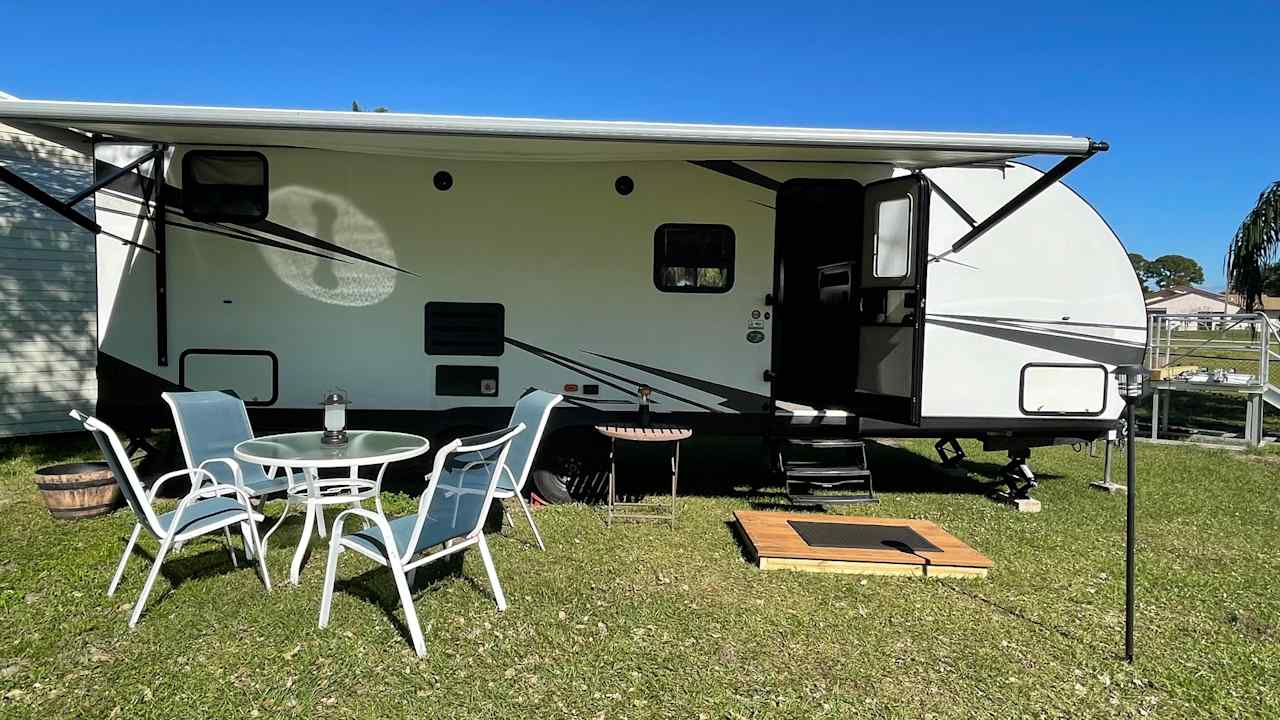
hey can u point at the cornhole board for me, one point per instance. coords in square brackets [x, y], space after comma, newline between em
[812, 542]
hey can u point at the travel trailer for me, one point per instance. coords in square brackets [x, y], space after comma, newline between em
[826, 281]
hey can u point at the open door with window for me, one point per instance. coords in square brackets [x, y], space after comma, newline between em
[890, 304]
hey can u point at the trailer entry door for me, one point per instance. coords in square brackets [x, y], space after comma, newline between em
[890, 307]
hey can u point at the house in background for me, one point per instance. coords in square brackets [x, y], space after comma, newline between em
[1187, 300]
[1270, 305]
[48, 291]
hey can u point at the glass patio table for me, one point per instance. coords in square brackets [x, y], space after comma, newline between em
[303, 451]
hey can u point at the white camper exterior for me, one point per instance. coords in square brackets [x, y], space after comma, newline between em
[436, 268]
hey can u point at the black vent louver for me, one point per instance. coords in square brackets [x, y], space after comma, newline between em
[458, 328]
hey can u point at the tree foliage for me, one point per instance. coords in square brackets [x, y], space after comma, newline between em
[355, 107]
[1173, 270]
[1166, 271]
[1271, 280]
[1251, 258]
[1140, 269]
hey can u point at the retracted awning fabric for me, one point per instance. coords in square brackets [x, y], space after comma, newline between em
[508, 139]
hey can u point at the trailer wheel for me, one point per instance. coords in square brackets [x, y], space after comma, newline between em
[551, 488]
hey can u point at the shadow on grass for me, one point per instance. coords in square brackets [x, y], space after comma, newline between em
[376, 587]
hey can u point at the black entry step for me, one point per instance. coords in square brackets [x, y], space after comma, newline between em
[833, 499]
[824, 470]
[824, 442]
[850, 483]
[796, 470]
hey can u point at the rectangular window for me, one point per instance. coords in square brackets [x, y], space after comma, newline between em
[459, 328]
[893, 238]
[224, 186]
[693, 258]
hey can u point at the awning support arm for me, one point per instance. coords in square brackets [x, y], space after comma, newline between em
[17, 182]
[1056, 173]
[66, 208]
[111, 178]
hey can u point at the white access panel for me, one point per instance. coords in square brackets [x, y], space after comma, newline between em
[1063, 389]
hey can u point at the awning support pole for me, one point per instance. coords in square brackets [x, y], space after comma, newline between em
[1129, 381]
[162, 257]
[1056, 173]
[18, 183]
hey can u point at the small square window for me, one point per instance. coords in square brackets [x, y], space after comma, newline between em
[693, 258]
[224, 186]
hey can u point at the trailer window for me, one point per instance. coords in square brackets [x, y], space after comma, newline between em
[693, 258]
[224, 186]
[893, 238]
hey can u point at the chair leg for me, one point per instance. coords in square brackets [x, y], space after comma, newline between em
[151, 579]
[330, 577]
[252, 541]
[410, 615]
[506, 514]
[124, 560]
[493, 574]
[244, 536]
[226, 532]
[532, 525]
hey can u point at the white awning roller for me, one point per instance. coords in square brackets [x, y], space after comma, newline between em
[514, 139]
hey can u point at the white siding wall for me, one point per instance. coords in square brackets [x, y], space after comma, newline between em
[1191, 303]
[48, 296]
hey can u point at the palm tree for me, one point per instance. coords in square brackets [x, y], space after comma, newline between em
[1255, 247]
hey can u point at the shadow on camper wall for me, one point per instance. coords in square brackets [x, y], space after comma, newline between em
[335, 219]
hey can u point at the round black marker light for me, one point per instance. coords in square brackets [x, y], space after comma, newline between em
[624, 185]
[443, 180]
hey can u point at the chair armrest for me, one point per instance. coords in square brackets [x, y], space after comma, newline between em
[380, 522]
[235, 468]
[195, 473]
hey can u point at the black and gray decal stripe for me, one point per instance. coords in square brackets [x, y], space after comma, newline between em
[734, 170]
[230, 234]
[131, 184]
[739, 400]
[588, 370]
[1098, 350]
[994, 319]
[565, 363]
[289, 233]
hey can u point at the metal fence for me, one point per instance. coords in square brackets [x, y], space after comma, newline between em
[1206, 351]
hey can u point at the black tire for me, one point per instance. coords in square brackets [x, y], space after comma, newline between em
[551, 488]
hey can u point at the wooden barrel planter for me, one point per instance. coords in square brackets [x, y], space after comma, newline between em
[78, 490]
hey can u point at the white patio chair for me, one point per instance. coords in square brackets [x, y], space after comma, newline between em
[533, 410]
[210, 424]
[204, 510]
[451, 513]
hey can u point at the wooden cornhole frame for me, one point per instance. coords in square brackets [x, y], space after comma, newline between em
[775, 545]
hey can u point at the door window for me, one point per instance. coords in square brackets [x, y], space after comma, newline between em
[893, 238]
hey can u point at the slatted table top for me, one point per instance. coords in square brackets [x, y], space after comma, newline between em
[653, 433]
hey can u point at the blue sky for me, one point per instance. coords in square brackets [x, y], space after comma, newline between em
[1187, 94]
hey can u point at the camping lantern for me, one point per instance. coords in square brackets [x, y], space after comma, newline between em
[335, 417]
[1129, 382]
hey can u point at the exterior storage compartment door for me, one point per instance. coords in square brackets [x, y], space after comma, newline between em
[890, 310]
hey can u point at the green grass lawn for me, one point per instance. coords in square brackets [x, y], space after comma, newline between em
[643, 621]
